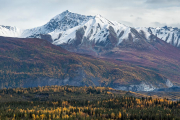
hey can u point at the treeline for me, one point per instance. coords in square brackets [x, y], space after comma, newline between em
[57, 89]
[55, 93]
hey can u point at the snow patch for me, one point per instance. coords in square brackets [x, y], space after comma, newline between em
[141, 87]
[169, 83]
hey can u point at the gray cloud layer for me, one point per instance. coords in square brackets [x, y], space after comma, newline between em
[162, 3]
[143, 13]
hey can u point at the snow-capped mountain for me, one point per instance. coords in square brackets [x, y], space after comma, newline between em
[168, 34]
[71, 28]
[113, 41]
[61, 22]
[96, 30]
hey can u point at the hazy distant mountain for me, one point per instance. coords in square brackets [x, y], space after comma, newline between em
[9, 31]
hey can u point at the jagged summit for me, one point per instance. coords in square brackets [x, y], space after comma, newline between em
[62, 22]
[60, 16]
[68, 15]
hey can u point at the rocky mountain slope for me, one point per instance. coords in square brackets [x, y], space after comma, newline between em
[168, 34]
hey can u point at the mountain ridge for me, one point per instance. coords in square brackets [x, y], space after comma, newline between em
[66, 21]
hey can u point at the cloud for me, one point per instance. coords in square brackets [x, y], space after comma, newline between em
[127, 23]
[158, 24]
[140, 13]
[162, 3]
[175, 25]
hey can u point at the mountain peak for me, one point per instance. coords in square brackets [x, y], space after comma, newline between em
[61, 22]
[67, 14]
[61, 16]
[66, 11]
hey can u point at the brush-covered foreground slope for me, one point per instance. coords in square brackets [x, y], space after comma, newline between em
[33, 62]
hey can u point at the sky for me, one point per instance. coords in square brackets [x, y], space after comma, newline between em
[26, 14]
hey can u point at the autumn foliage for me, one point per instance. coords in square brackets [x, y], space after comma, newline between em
[115, 106]
[25, 60]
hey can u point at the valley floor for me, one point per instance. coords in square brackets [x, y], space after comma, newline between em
[83, 103]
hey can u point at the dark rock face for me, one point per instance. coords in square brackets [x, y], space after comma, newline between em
[138, 35]
[43, 36]
[79, 36]
[149, 30]
[138, 42]
[112, 38]
[58, 36]
[121, 34]
[172, 42]
[7, 27]
[46, 37]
